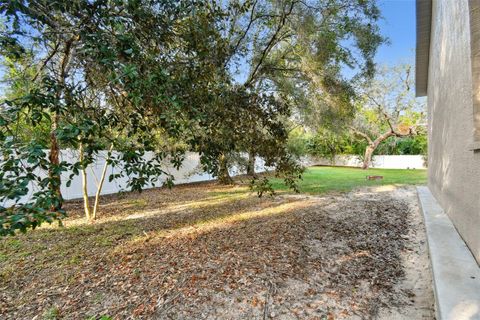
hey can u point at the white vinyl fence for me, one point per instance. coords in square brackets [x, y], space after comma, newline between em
[384, 162]
[190, 171]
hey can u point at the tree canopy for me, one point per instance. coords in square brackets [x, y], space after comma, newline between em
[388, 120]
[160, 76]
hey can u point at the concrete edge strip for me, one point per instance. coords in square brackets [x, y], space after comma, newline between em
[456, 275]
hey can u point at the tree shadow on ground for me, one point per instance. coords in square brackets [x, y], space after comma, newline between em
[233, 259]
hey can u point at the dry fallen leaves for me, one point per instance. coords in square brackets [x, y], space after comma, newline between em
[205, 251]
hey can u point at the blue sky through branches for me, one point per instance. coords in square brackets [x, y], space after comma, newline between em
[398, 25]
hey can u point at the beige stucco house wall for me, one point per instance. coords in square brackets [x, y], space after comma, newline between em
[448, 65]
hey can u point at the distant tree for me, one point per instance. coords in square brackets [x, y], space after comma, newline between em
[327, 144]
[324, 39]
[298, 140]
[387, 108]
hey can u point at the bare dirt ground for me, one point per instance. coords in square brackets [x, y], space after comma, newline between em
[211, 252]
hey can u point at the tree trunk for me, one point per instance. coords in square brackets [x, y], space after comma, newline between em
[332, 154]
[251, 164]
[223, 174]
[367, 159]
[100, 185]
[86, 205]
[372, 146]
[55, 180]
[54, 175]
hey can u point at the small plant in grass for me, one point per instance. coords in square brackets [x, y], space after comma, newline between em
[52, 313]
[262, 185]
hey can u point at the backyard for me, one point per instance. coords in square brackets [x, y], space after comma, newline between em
[239, 159]
[345, 247]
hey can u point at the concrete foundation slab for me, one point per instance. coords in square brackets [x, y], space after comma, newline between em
[456, 275]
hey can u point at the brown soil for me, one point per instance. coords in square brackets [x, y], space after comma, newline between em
[210, 252]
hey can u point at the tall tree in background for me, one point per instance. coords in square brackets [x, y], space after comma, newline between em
[297, 51]
[238, 117]
[387, 108]
[329, 47]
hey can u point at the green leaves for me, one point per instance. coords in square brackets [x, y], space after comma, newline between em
[10, 47]
[20, 171]
[261, 185]
[157, 78]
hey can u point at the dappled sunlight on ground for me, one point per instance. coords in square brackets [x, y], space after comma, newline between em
[211, 251]
[204, 226]
[137, 209]
[383, 188]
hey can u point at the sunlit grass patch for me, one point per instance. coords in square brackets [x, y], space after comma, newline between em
[324, 179]
[243, 190]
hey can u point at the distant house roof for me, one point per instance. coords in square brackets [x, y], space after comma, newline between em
[422, 56]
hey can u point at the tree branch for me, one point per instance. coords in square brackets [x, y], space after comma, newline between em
[382, 138]
[361, 134]
[47, 59]
[247, 29]
[270, 44]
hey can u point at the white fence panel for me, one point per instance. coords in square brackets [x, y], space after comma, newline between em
[190, 171]
[399, 162]
[380, 161]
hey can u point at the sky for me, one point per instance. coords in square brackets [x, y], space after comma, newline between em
[398, 25]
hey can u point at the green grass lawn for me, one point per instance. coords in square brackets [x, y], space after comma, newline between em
[323, 179]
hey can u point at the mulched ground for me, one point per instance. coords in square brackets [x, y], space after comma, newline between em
[211, 252]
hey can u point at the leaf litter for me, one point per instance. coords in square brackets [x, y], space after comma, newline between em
[212, 252]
